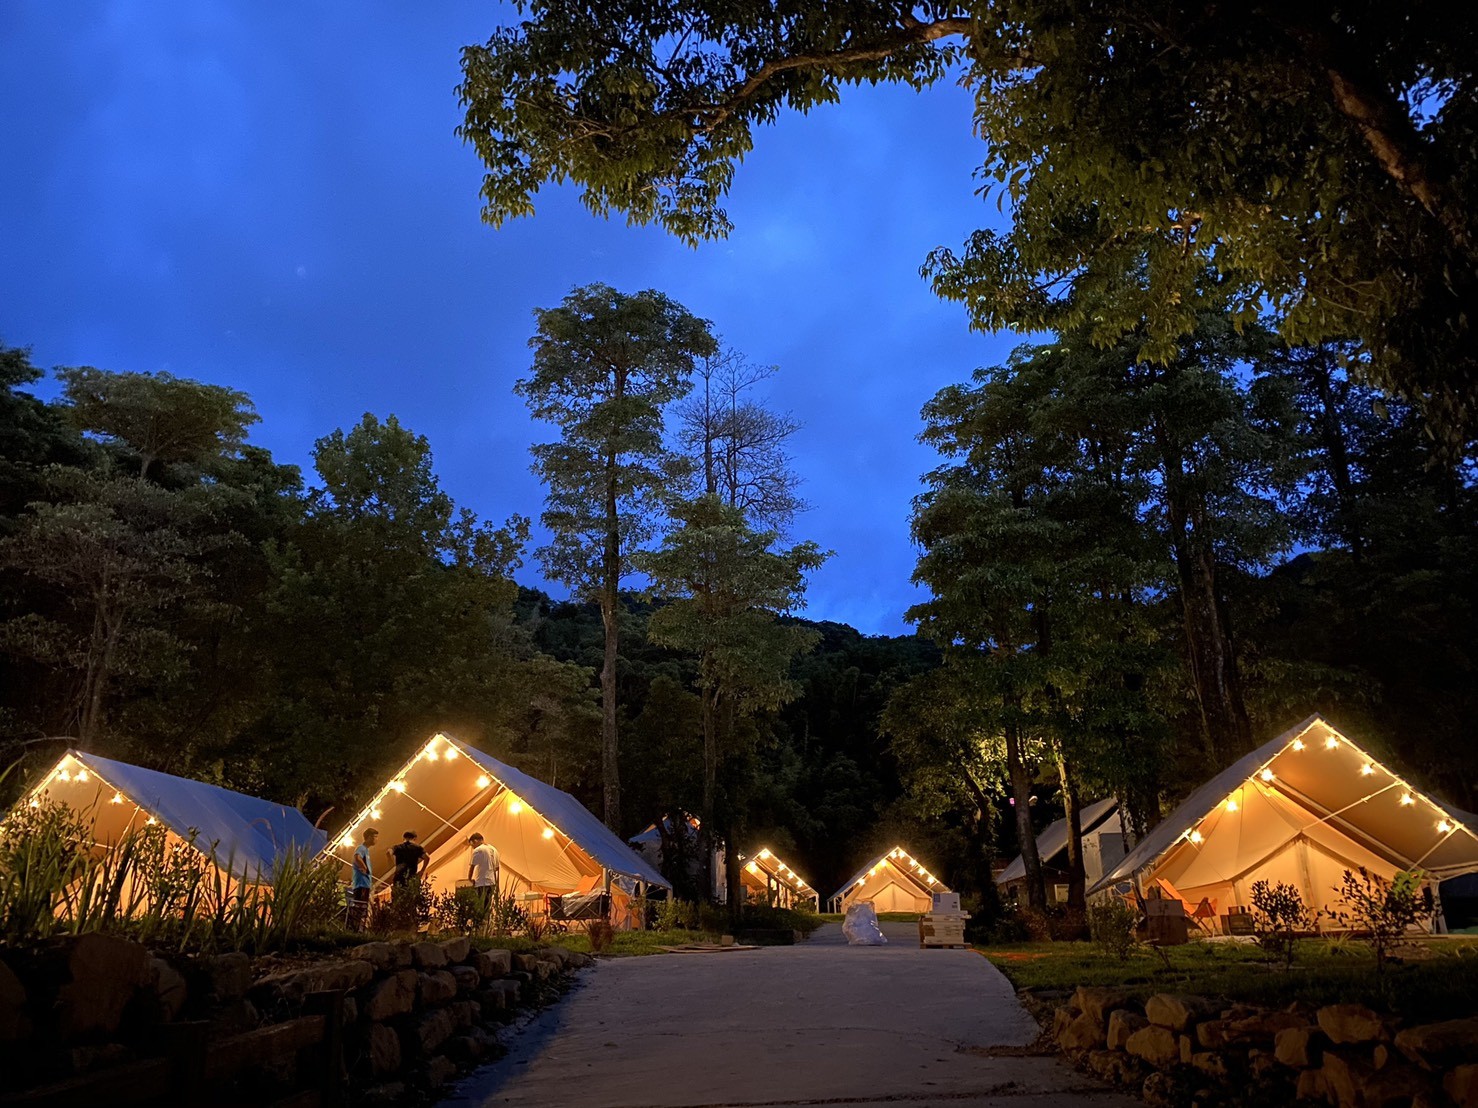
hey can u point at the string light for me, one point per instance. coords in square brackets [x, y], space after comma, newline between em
[484, 781]
[347, 840]
[35, 803]
[117, 799]
[753, 867]
[1298, 744]
[1367, 769]
[65, 775]
[1195, 836]
[1231, 804]
[765, 853]
[82, 776]
[397, 786]
[1330, 743]
[514, 807]
[1443, 827]
[549, 832]
[1407, 799]
[1266, 775]
[375, 813]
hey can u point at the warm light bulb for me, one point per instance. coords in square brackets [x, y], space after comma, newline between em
[1330, 743]
[1443, 827]
[1195, 836]
[484, 781]
[35, 803]
[375, 813]
[514, 807]
[549, 832]
[765, 853]
[65, 775]
[117, 799]
[1406, 799]
[151, 821]
[431, 755]
[1266, 775]
[1367, 769]
[1298, 744]
[932, 881]
[1232, 804]
[82, 775]
[397, 786]
[347, 840]
[449, 753]
[752, 867]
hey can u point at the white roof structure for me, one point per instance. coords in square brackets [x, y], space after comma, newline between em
[894, 881]
[1300, 809]
[241, 834]
[766, 867]
[547, 841]
[1053, 839]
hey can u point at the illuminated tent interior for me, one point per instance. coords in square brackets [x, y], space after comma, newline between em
[241, 834]
[1103, 846]
[768, 880]
[895, 881]
[548, 843]
[1302, 809]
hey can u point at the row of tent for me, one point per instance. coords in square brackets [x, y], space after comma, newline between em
[1300, 810]
[549, 844]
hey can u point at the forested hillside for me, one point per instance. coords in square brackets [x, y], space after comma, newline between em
[175, 597]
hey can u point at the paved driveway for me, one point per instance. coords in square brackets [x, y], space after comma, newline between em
[817, 1023]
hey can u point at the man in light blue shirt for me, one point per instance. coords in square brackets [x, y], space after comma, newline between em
[363, 881]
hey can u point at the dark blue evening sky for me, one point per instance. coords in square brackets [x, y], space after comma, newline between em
[269, 195]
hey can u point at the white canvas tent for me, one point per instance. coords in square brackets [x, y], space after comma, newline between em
[1301, 809]
[241, 834]
[548, 843]
[894, 881]
[767, 879]
[1103, 846]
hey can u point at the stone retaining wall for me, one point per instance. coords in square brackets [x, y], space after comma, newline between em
[1178, 1049]
[411, 1016]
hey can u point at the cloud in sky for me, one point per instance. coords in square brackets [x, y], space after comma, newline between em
[272, 197]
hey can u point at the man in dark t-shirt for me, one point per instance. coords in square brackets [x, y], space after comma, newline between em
[411, 859]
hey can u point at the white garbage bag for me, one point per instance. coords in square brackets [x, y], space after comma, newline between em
[861, 926]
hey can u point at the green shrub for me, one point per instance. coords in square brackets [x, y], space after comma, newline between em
[1278, 914]
[673, 914]
[1379, 910]
[712, 919]
[1111, 926]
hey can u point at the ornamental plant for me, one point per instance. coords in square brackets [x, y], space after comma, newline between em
[1278, 915]
[1378, 910]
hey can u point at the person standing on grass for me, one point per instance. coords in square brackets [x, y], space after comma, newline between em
[483, 867]
[364, 880]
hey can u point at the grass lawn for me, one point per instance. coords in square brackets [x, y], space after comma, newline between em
[888, 917]
[1434, 980]
[633, 943]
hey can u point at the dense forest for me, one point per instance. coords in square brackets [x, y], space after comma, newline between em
[1135, 572]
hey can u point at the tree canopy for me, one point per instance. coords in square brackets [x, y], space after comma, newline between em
[1323, 164]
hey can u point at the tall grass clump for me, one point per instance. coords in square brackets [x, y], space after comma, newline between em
[153, 887]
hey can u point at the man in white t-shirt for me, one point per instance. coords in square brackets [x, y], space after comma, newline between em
[482, 870]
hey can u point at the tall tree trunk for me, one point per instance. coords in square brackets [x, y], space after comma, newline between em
[1209, 646]
[610, 620]
[1077, 884]
[710, 793]
[1036, 889]
[1336, 453]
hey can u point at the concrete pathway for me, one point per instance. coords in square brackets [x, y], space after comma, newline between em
[820, 1023]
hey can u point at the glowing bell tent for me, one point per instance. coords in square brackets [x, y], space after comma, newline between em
[1301, 809]
[548, 843]
[1103, 847]
[768, 880]
[242, 835]
[894, 881]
